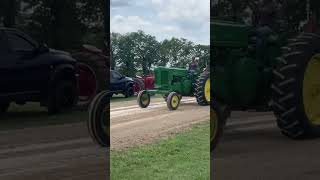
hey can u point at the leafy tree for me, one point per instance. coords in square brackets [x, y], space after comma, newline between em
[61, 24]
[126, 57]
[137, 52]
[8, 12]
[145, 50]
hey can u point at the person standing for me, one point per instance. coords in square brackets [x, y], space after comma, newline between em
[193, 66]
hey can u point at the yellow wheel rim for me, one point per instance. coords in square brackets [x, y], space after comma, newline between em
[175, 101]
[213, 125]
[207, 90]
[311, 90]
[145, 99]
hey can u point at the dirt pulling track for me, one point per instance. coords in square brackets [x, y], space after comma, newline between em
[254, 149]
[66, 152]
[54, 152]
[132, 126]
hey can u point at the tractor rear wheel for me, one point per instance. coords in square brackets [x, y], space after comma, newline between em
[138, 85]
[98, 122]
[202, 89]
[218, 117]
[296, 88]
[97, 65]
[173, 101]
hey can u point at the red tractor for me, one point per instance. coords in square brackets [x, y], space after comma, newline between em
[143, 83]
[92, 73]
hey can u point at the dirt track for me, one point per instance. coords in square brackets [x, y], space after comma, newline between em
[254, 149]
[132, 126]
[65, 152]
[61, 152]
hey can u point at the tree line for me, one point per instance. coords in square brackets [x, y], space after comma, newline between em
[292, 13]
[61, 24]
[138, 53]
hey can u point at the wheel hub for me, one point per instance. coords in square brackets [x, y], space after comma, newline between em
[175, 101]
[144, 99]
[207, 90]
[311, 90]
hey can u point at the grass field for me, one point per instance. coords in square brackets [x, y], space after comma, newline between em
[182, 157]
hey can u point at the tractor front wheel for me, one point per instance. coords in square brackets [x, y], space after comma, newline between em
[296, 88]
[173, 101]
[143, 99]
[98, 124]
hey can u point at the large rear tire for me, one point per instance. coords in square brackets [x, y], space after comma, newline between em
[98, 64]
[138, 85]
[202, 89]
[218, 117]
[296, 88]
[98, 123]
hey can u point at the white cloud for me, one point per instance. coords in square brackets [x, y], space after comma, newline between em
[119, 3]
[189, 19]
[183, 10]
[127, 24]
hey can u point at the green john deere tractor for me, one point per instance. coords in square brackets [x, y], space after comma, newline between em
[255, 69]
[173, 83]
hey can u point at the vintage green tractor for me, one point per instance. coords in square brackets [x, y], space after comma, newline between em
[173, 83]
[282, 75]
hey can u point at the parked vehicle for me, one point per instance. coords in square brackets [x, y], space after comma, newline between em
[93, 65]
[30, 71]
[142, 83]
[121, 84]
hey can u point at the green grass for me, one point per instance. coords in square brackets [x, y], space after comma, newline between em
[32, 115]
[182, 157]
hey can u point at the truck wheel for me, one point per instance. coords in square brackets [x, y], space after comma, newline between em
[143, 99]
[173, 101]
[4, 106]
[218, 117]
[63, 97]
[129, 92]
[98, 124]
[202, 89]
[296, 88]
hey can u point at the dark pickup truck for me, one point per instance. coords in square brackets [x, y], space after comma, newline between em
[32, 72]
[121, 84]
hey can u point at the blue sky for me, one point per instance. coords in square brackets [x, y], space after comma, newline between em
[163, 19]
